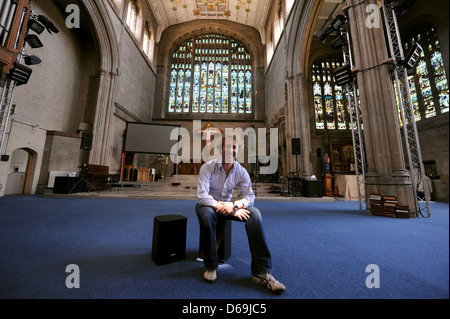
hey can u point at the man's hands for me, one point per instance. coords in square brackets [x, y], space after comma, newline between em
[226, 208]
[242, 214]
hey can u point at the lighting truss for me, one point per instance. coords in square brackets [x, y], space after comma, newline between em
[408, 121]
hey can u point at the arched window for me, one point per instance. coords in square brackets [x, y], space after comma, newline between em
[211, 73]
[429, 86]
[132, 13]
[329, 103]
[146, 41]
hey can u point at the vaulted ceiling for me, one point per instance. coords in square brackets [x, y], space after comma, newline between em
[249, 12]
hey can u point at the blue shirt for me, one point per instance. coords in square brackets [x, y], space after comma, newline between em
[214, 185]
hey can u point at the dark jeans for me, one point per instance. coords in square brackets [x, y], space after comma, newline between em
[208, 219]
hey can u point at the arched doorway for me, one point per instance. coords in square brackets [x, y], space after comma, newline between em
[20, 173]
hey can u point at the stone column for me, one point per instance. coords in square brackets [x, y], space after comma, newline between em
[297, 125]
[102, 118]
[291, 131]
[385, 159]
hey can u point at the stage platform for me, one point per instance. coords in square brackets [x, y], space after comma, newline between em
[182, 187]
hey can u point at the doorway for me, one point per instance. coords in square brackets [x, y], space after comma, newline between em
[19, 177]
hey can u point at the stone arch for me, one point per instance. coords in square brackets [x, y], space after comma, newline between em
[174, 35]
[108, 49]
[169, 39]
[304, 17]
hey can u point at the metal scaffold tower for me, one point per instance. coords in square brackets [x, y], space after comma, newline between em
[407, 120]
[5, 109]
[350, 88]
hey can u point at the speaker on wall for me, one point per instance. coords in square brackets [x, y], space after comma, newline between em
[296, 146]
[169, 239]
[86, 141]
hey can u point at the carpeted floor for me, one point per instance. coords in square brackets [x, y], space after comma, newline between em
[319, 250]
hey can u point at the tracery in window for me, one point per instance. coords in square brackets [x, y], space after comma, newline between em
[330, 107]
[211, 73]
[428, 86]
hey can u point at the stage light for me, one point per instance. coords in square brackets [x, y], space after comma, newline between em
[20, 73]
[33, 41]
[47, 23]
[32, 60]
[343, 75]
[413, 56]
[336, 25]
[338, 22]
[326, 33]
[35, 26]
[338, 43]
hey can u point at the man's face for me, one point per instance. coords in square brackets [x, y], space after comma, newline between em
[229, 150]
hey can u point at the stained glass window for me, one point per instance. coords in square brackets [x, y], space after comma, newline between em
[211, 73]
[330, 107]
[428, 86]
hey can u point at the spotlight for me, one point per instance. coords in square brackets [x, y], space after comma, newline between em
[336, 25]
[326, 33]
[413, 56]
[35, 26]
[343, 75]
[32, 60]
[338, 22]
[48, 24]
[20, 73]
[338, 43]
[33, 41]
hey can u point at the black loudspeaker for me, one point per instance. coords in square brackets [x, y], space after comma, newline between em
[296, 146]
[223, 234]
[86, 141]
[320, 152]
[312, 188]
[169, 239]
[66, 184]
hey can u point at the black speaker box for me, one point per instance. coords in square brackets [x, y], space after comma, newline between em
[86, 141]
[169, 239]
[296, 146]
[64, 184]
[312, 188]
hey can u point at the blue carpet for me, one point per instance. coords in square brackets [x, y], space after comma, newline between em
[319, 250]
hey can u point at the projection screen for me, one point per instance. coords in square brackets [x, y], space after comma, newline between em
[149, 138]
